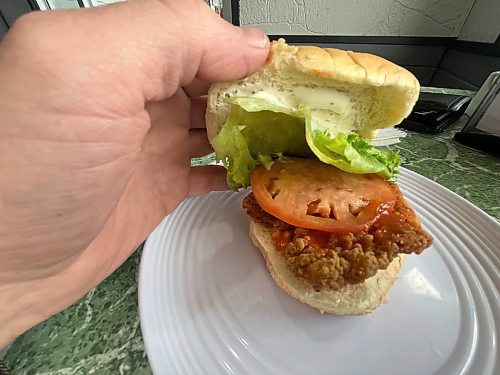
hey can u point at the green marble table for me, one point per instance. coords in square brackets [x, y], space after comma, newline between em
[101, 333]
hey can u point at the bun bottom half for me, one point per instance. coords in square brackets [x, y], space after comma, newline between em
[355, 299]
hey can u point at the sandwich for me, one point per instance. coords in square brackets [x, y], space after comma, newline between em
[326, 212]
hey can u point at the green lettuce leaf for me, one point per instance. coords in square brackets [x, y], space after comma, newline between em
[350, 152]
[231, 147]
[259, 132]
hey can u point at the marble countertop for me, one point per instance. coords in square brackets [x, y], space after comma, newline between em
[101, 333]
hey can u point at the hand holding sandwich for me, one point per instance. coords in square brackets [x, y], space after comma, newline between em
[97, 127]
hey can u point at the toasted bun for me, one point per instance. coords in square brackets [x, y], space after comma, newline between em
[381, 93]
[354, 299]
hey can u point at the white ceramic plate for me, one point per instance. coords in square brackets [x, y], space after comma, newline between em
[208, 305]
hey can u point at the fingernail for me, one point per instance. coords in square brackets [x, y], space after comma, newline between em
[255, 37]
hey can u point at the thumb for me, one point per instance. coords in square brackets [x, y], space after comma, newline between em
[152, 46]
[194, 42]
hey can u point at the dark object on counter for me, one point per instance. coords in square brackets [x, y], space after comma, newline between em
[434, 113]
[482, 130]
[481, 141]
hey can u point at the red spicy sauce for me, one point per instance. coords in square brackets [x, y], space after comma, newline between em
[281, 238]
[319, 239]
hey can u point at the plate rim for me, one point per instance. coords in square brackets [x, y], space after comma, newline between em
[143, 275]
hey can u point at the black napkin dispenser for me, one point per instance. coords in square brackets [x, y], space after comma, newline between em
[434, 113]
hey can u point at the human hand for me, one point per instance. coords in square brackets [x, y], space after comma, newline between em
[97, 129]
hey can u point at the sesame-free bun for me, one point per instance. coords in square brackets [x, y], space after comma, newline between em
[344, 92]
[380, 94]
[355, 299]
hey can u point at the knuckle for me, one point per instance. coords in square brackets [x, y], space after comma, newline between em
[24, 29]
[30, 40]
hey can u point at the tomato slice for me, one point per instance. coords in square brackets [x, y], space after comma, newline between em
[310, 194]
